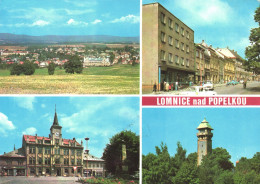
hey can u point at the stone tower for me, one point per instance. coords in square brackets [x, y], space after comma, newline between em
[204, 139]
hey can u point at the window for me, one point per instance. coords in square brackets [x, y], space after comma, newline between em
[47, 171]
[182, 46]
[20, 162]
[170, 41]
[9, 162]
[39, 150]
[170, 23]
[201, 55]
[47, 161]
[176, 59]
[66, 171]
[66, 161]
[78, 161]
[72, 152]
[197, 53]
[79, 153]
[72, 171]
[32, 160]
[39, 160]
[57, 151]
[32, 150]
[57, 161]
[40, 141]
[47, 151]
[66, 152]
[182, 61]
[163, 18]
[56, 141]
[72, 161]
[187, 35]
[78, 170]
[162, 55]
[163, 37]
[187, 62]
[89, 165]
[177, 27]
[187, 48]
[182, 31]
[32, 170]
[177, 44]
[170, 58]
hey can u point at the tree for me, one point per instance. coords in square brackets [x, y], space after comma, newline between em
[28, 68]
[51, 68]
[113, 153]
[253, 51]
[159, 170]
[74, 65]
[17, 69]
[111, 57]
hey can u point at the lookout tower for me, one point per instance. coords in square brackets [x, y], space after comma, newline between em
[204, 139]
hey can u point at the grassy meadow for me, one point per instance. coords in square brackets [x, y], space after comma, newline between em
[117, 79]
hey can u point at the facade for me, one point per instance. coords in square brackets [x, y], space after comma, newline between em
[199, 64]
[168, 48]
[93, 166]
[96, 62]
[204, 140]
[49, 156]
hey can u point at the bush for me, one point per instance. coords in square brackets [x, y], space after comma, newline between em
[17, 69]
[51, 68]
[28, 68]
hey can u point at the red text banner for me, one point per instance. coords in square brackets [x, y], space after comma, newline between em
[200, 101]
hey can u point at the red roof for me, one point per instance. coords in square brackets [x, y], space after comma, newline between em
[32, 138]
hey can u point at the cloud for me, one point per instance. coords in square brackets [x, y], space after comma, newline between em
[5, 124]
[78, 12]
[128, 18]
[208, 12]
[40, 23]
[25, 102]
[82, 3]
[96, 21]
[30, 131]
[76, 23]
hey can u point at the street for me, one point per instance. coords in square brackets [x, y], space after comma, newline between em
[37, 180]
[252, 88]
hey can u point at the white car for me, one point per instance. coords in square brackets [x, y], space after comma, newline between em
[241, 81]
[208, 85]
[198, 90]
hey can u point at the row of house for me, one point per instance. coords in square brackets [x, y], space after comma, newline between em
[170, 54]
[51, 156]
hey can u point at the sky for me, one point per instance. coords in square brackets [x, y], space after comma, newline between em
[219, 23]
[235, 129]
[98, 118]
[70, 17]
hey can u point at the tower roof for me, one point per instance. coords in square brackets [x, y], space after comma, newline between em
[55, 120]
[204, 125]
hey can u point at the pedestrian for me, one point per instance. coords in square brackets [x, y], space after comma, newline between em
[176, 85]
[154, 87]
[244, 84]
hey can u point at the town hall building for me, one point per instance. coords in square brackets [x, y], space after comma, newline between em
[46, 156]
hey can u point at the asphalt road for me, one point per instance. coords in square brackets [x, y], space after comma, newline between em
[252, 88]
[38, 180]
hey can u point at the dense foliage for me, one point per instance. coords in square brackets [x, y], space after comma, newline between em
[93, 180]
[51, 68]
[27, 68]
[216, 168]
[253, 51]
[74, 65]
[113, 153]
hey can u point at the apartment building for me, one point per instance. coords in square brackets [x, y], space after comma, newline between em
[167, 48]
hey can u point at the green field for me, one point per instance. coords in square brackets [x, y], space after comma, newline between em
[117, 79]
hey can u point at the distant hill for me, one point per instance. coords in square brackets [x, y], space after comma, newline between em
[7, 38]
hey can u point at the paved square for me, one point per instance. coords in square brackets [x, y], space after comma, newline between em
[38, 180]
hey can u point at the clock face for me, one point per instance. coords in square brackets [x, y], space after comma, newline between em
[57, 134]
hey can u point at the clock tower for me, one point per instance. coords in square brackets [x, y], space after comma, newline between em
[56, 136]
[204, 140]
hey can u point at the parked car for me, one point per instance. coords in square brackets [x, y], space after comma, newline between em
[233, 82]
[198, 90]
[241, 81]
[209, 85]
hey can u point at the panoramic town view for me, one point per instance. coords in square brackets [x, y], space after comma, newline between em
[69, 47]
[214, 52]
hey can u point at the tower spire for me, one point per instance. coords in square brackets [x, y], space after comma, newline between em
[55, 120]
